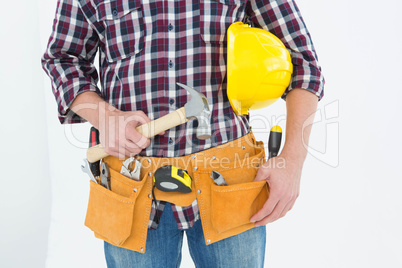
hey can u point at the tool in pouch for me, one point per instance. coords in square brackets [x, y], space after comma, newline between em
[274, 141]
[218, 178]
[127, 166]
[105, 176]
[86, 169]
[92, 169]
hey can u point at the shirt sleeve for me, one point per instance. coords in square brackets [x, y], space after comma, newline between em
[68, 59]
[283, 19]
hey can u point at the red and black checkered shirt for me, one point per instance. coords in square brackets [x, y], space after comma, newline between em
[146, 47]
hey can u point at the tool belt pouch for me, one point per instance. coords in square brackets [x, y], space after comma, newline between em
[226, 210]
[120, 216]
[234, 205]
[110, 213]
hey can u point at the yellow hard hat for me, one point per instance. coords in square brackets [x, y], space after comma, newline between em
[259, 68]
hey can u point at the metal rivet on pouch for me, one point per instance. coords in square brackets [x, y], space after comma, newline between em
[149, 174]
[149, 196]
[142, 249]
[196, 168]
[193, 157]
[149, 160]
[208, 241]
[243, 147]
[135, 190]
[199, 191]
[213, 157]
[258, 165]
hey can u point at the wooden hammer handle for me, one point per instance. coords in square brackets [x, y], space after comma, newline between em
[149, 130]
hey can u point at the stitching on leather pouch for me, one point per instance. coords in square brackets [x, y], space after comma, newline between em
[226, 169]
[202, 204]
[125, 183]
[111, 196]
[232, 168]
[201, 171]
[237, 189]
[146, 218]
[225, 147]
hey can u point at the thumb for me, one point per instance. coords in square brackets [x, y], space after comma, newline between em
[263, 173]
[140, 117]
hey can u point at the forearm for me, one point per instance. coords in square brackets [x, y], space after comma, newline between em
[301, 106]
[284, 183]
[92, 107]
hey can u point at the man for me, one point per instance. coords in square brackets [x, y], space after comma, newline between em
[145, 48]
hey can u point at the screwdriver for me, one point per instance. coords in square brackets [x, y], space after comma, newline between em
[94, 140]
[274, 141]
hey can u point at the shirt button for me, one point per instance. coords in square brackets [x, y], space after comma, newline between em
[170, 64]
[170, 27]
[170, 141]
[115, 12]
[171, 101]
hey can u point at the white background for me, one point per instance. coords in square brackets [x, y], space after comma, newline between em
[349, 211]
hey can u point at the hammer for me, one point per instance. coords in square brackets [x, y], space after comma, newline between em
[196, 108]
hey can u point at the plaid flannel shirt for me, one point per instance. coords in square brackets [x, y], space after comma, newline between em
[145, 47]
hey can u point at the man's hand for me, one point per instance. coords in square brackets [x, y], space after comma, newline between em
[283, 173]
[283, 177]
[117, 129]
[118, 134]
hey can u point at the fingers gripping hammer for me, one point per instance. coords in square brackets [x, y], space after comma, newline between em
[197, 108]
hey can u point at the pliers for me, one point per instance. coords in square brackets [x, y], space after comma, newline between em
[126, 168]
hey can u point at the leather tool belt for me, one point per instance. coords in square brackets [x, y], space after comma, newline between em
[120, 216]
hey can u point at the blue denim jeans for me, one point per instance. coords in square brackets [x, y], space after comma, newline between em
[164, 248]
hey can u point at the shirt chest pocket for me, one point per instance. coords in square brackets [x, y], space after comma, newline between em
[216, 17]
[124, 32]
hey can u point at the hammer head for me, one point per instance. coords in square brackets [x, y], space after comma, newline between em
[198, 108]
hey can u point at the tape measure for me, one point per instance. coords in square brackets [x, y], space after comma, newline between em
[172, 179]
